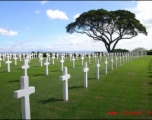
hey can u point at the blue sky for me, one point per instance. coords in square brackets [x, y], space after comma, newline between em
[40, 25]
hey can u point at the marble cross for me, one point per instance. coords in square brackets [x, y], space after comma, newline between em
[106, 62]
[24, 93]
[97, 68]
[15, 59]
[25, 67]
[73, 61]
[82, 58]
[46, 64]
[120, 59]
[62, 61]
[111, 62]
[53, 57]
[41, 61]
[116, 60]
[85, 70]
[65, 78]
[8, 64]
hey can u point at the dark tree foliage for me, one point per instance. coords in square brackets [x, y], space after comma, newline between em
[107, 26]
[149, 52]
[32, 52]
[120, 50]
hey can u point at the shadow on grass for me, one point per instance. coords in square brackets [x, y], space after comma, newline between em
[150, 94]
[73, 87]
[35, 66]
[91, 78]
[55, 70]
[102, 73]
[14, 81]
[39, 74]
[78, 65]
[150, 76]
[3, 71]
[50, 100]
[19, 69]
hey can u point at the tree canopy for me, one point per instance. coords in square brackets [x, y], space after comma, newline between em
[139, 49]
[107, 26]
[120, 50]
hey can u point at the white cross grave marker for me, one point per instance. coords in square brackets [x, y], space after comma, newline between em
[70, 57]
[111, 63]
[93, 55]
[15, 59]
[53, 57]
[73, 62]
[77, 56]
[95, 58]
[123, 58]
[27, 58]
[49, 57]
[41, 61]
[25, 67]
[24, 93]
[106, 62]
[128, 56]
[46, 63]
[8, 64]
[65, 78]
[62, 61]
[3, 57]
[85, 70]
[20, 56]
[23, 56]
[116, 60]
[97, 68]
[82, 58]
[120, 59]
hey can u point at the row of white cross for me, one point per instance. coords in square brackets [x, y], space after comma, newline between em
[33, 55]
[62, 61]
[25, 90]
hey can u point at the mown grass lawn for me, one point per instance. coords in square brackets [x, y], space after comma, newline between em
[126, 88]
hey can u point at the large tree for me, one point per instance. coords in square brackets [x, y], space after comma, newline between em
[107, 26]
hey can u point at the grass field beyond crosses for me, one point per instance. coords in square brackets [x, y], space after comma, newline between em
[125, 92]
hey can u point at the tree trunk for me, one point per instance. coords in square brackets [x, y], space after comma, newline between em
[108, 48]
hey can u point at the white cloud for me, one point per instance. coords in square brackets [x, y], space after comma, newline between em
[28, 45]
[56, 14]
[76, 42]
[37, 11]
[76, 16]
[7, 33]
[81, 42]
[142, 11]
[44, 2]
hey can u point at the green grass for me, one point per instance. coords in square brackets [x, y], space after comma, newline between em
[126, 88]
